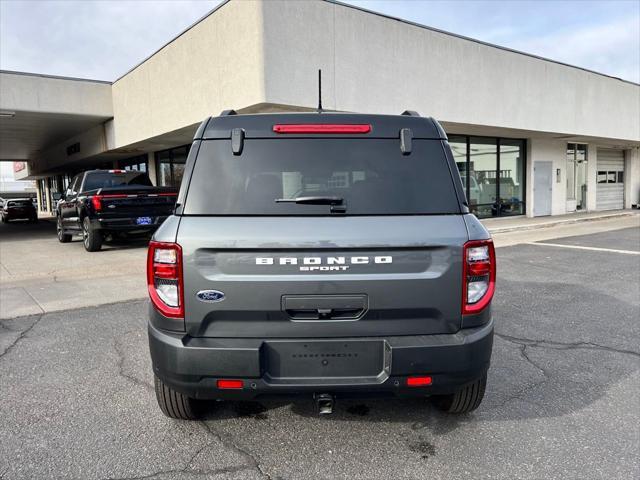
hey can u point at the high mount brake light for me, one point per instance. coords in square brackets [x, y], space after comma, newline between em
[326, 128]
[478, 275]
[164, 278]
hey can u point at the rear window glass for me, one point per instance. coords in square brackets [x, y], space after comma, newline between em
[19, 203]
[108, 180]
[371, 176]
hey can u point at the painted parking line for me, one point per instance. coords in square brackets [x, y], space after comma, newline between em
[579, 247]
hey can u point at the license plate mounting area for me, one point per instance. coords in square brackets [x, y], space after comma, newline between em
[327, 361]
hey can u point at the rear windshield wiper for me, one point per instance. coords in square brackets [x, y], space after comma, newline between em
[337, 203]
[313, 200]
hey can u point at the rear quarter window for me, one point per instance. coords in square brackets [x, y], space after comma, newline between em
[371, 175]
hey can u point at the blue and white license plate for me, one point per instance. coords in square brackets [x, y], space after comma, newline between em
[144, 221]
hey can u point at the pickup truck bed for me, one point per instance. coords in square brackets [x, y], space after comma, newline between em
[101, 203]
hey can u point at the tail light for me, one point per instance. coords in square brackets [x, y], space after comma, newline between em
[164, 278]
[96, 200]
[478, 276]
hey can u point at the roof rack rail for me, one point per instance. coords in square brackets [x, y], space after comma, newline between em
[410, 113]
[226, 113]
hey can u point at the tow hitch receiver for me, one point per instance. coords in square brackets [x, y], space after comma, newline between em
[324, 403]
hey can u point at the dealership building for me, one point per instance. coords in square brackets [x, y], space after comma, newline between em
[531, 136]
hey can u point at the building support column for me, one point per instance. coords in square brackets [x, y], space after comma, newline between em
[47, 195]
[592, 174]
[632, 177]
[529, 179]
[151, 170]
[39, 195]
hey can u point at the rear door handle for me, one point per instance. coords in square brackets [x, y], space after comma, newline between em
[325, 307]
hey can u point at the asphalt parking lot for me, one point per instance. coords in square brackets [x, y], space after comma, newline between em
[38, 274]
[76, 396]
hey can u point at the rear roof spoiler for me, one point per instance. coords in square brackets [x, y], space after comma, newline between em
[261, 125]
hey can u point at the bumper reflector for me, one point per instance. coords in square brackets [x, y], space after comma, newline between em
[419, 381]
[230, 384]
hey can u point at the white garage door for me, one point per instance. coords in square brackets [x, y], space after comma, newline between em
[610, 186]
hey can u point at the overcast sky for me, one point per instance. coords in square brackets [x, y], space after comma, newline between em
[104, 39]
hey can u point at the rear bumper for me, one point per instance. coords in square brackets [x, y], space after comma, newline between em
[192, 366]
[126, 224]
[19, 215]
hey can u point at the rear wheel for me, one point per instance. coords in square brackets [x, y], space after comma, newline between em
[62, 237]
[92, 239]
[465, 400]
[174, 404]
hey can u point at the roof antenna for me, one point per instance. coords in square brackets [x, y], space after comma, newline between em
[319, 91]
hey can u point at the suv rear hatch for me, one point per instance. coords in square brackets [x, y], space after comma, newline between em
[378, 252]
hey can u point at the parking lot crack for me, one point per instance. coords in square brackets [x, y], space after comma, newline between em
[564, 345]
[522, 347]
[120, 352]
[252, 462]
[21, 335]
[196, 473]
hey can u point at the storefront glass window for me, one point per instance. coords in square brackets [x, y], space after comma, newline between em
[492, 172]
[511, 177]
[170, 166]
[138, 163]
[483, 166]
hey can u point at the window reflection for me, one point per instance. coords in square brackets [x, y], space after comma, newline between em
[492, 174]
[511, 177]
[171, 166]
[483, 165]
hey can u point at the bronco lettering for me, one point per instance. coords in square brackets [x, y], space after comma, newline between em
[317, 264]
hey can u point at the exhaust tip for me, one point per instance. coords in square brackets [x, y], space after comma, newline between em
[324, 404]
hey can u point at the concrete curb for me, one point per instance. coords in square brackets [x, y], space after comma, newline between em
[555, 223]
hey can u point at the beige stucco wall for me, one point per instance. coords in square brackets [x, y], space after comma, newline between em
[46, 94]
[216, 65]
[372, 63]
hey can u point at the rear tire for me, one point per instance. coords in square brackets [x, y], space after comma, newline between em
[62, 237]
[92, 239]
[465, 400]
[174, 404]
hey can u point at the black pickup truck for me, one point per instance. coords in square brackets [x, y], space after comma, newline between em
[102, 203]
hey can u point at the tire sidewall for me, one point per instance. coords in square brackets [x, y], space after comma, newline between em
[86, 234]
[59, 229]
[90, 239]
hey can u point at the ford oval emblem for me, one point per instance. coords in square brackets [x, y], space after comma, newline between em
[210, 296]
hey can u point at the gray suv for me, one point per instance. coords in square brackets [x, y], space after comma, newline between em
[321, 255]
